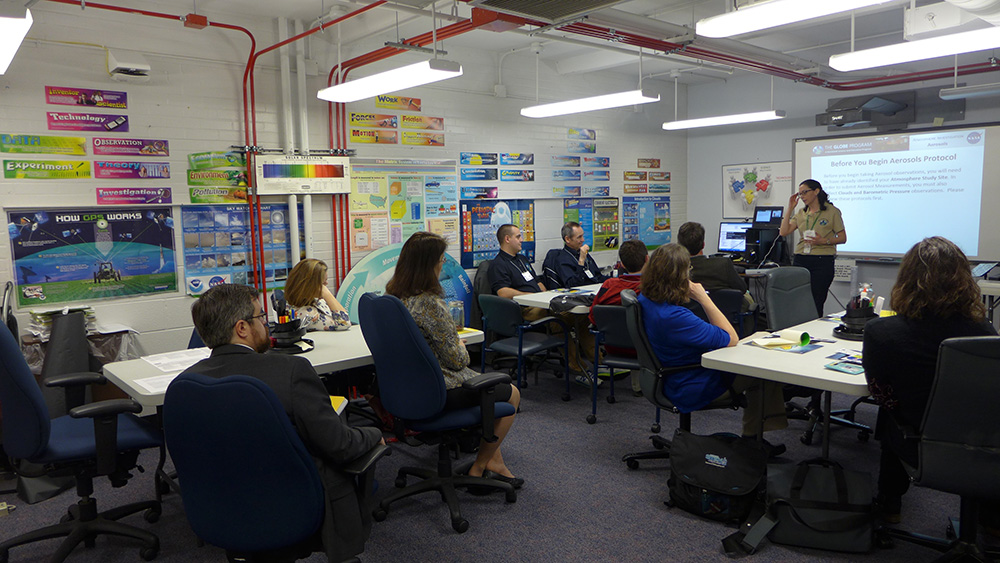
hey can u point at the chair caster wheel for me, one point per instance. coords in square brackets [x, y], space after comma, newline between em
[565, 397]
[163, 487]
[152, 515]
[149, 553]
[655, 429]
[658, 445]
[379, 514]
[400, 482]
[632, 464]
[591, 419]
[611, 399]
[461, 525]
[806, 438]
[510, 497]
[863, 436]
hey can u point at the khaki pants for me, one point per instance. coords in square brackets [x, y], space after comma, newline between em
[581, 347]
[772, 417]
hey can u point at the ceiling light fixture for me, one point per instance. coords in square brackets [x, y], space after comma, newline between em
[960, 92]
[15, 21]
[908, 51]
[775, 13]
[607, 101]
[389, 81]
[724, 120]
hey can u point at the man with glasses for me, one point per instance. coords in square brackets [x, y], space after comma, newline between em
[230, 321]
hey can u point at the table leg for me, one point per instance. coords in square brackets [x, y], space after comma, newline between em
[827, 400]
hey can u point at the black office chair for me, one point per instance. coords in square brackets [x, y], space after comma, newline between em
[96, 439]
[230, 436]
[651, 378]
[959, 440]
[730, 302]
[522, 339]
[412, 388]
[789, 302]
[610, 329]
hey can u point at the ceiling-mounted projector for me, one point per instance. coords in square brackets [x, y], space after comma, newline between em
[128, 67]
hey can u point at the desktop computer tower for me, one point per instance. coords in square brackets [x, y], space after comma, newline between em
[764, 245]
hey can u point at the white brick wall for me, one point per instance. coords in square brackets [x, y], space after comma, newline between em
[194, 101]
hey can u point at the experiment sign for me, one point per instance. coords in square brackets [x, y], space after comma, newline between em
[81, 254]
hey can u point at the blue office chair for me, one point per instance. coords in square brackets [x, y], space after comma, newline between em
[610, 329]
[92, 440]
[412, 388]
[522, 339]
[224, 455]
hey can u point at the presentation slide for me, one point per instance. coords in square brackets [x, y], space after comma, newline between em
[896, 188]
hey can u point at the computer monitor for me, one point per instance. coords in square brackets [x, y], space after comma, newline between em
[733, 236]
[767, 217]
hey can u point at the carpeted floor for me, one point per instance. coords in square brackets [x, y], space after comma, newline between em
[579, 502]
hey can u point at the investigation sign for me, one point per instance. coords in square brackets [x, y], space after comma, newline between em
[63, 255]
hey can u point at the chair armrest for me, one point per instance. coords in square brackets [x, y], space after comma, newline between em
[367, 461]
[72, 379]
[546, 320]
[111, 407]
[485, 380]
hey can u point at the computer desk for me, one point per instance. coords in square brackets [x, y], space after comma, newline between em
[542, 299]
[795, 369]
[334, 351]
[990, 290]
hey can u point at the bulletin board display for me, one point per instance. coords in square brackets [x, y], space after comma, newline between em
[646, 218]
[293, 174]
[746, 186]
[480, 220]
[598, 217]
[63, 255]
[217, 245]
[393, 198]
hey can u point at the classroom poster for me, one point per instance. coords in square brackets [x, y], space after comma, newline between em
[581, 147]
[217, 194]
[369, 231]
[581, 211]
[517, 158]
[441, 197]
[59, 95]
[447, 227]
[597, 175]
[112, 146]
[368, 191]
[518, 175]
[234, 178]
[565, 161]
[566, 191]
[580, 133]
[217, 245]
[482, 218]
[397, 102]
[216, 159]
[746, 186]
[478, 159]
[107, 169]
[42, 144]
[45, 169]
[132, 196]
[420, 139]
[659, 176]
[423, 122]
[374, 137]
[62, 121]
[648, 163]
[479, 192]
[380, 120]
[635, 175]
[406, 203]
[373, 271]
[596, 161]
[635, 188]
[606, 221]
[646, 218]
[596, 191]
[64, 255]
[565, 175]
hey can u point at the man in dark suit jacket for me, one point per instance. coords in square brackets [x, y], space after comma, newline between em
[229, 320]
[713, 272]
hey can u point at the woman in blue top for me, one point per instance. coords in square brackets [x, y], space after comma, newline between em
[679, 337]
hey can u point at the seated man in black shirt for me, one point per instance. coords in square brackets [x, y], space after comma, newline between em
[713, 272]
[571, 265]
[229, 319]
[511, 274]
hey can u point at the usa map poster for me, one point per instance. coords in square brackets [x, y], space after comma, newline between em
[63, 255]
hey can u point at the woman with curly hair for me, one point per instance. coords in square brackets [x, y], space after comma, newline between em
[313, 302]
[935, 298]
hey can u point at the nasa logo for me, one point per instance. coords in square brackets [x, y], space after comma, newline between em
[974, 137]
[216, 280]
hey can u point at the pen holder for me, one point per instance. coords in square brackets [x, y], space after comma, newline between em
[855, 319]
[287, 334]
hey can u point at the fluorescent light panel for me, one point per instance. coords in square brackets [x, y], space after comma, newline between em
[724, 120]
[12, 32]
[594, 103]
[908, 51]
[960, 92]
[773, 14]
[389, 81]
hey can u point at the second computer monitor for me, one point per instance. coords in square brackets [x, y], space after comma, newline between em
[767, 217]
[733, 237]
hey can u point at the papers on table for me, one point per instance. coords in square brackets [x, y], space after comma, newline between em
[783, 339]
[157, 383]
[176, 362]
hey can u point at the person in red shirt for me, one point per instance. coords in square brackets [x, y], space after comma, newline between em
[633, 257]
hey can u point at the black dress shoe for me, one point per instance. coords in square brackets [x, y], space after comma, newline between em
[516, 482]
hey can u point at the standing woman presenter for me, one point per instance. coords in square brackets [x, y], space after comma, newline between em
[821, 229]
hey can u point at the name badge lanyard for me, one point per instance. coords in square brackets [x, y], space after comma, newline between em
[586, 270]
[526, 273]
